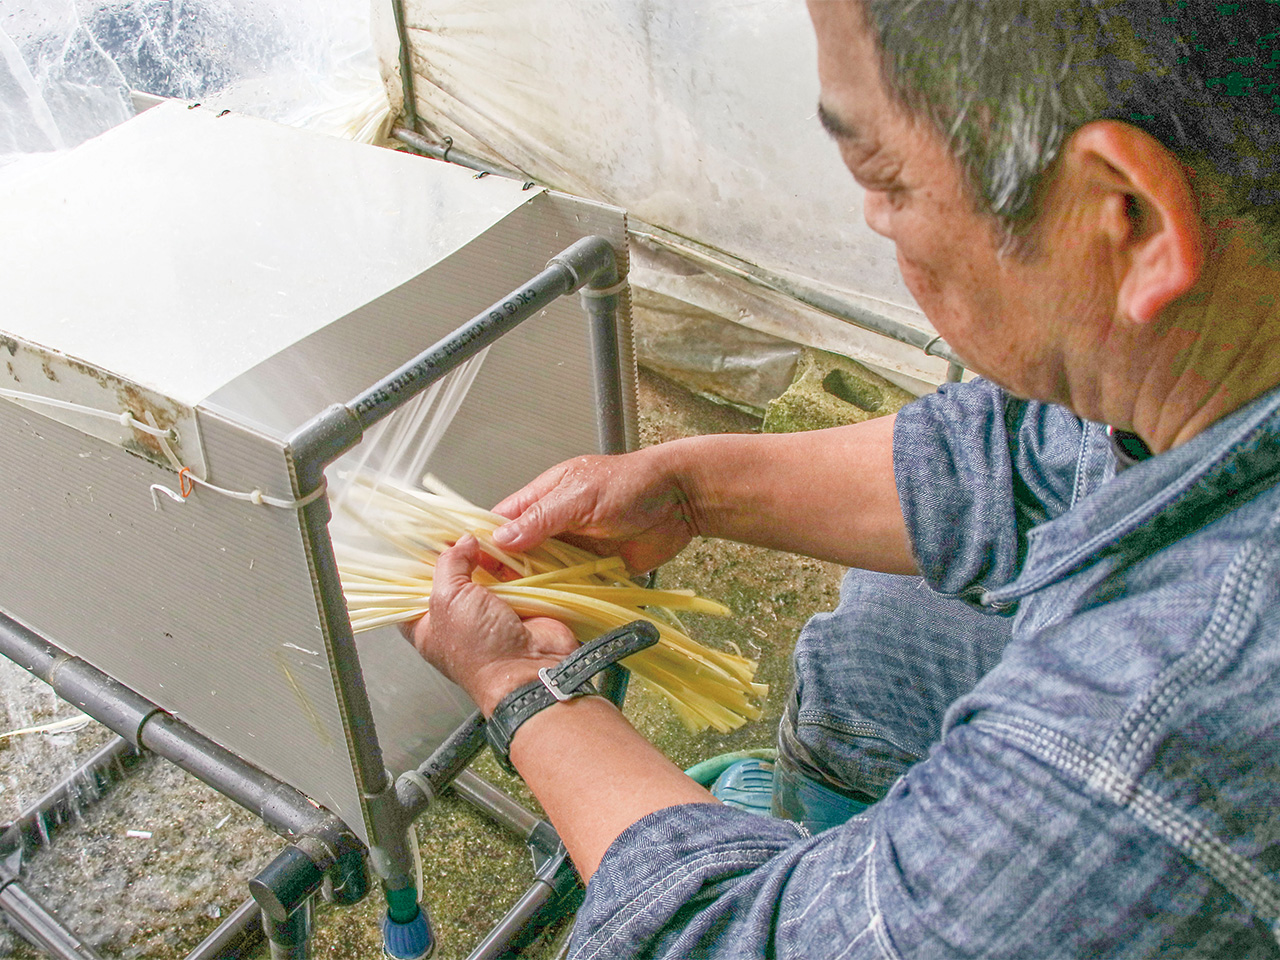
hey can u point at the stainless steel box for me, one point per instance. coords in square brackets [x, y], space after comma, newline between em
[229, 279]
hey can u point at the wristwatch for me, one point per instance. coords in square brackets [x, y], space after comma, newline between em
[567, 680]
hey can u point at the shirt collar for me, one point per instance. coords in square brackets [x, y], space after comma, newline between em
[1159, 500]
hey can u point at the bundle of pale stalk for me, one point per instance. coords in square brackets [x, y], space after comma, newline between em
[391, 583]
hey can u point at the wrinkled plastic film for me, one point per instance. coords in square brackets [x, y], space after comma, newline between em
[67, 67]
[702, 120]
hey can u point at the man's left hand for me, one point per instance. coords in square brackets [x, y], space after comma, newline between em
[477, 640]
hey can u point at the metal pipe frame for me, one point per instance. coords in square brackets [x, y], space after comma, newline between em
[88, 781]
[236, 937]
[591, 263]
[406, 65]
[322, 844]
[37, 923]
[145, 726]
[391, 807]
[450, 154]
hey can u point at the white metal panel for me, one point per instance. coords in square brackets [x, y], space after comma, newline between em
[205, 608]
[532, 404]
[182, 248]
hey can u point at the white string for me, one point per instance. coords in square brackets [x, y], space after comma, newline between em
[400, 446]
[255, 496]
[249, 496]
[125, 419]
[69, 724]
[455, 393]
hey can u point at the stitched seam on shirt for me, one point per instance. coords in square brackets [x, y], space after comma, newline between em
[1077, 488]
[877, 921]
[1155, 505]
[1227, 628]
[860, 728]
[634, 909]
[1235, 872]
[849, 947]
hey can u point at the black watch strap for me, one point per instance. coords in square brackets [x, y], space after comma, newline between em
[569, 678]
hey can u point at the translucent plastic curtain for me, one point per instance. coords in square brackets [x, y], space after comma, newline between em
[697, 116]
[67, 66]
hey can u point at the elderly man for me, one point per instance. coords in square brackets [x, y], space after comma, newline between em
[1052, 711]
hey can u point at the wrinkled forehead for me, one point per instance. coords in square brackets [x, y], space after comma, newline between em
[854, 99]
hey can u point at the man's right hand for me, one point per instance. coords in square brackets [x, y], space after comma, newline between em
[828, 494]
[628, 505]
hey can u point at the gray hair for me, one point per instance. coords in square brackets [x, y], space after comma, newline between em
[1006, 82]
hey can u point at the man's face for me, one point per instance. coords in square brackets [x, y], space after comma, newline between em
[1006, 316]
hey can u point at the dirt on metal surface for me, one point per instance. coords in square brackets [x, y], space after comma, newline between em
[152, 869]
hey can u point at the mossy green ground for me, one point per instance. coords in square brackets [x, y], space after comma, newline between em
[829, 390]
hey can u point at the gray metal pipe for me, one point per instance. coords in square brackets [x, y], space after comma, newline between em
[600, 299]
[236, 938]
[500, 807]
[796, 288]
[336, 430]
[406, 65]
[290, 939]
[443, 766]
[280, 806]
[497, 944]
[449, 154]
[86, 782]
[578, 265]
[791, 287]
[38, 924]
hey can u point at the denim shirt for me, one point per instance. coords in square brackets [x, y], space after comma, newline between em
[1110, 789]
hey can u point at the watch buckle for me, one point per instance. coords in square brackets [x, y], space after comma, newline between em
[552, 685]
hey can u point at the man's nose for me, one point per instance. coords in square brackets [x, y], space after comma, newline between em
[875, 209]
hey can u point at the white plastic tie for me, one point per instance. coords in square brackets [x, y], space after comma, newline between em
[125, 418]
[159, 488]
[256, 497]
[593, 293]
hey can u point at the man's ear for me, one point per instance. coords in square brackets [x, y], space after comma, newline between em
[1148, 210]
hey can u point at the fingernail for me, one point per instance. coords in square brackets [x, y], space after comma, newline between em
[504, 534]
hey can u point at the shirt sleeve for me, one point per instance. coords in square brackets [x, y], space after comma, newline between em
[976, 470]
[981, 850]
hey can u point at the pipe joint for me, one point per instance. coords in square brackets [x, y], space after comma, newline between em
[106, 700]
[321, 441]
[390, 835]
[589, 261]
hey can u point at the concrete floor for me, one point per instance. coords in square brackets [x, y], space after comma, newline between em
[158, 896]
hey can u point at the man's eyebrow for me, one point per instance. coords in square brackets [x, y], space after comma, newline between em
[838, 128]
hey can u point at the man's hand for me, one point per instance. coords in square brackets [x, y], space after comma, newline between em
[627, 506]
[828, 494]
[476, 640]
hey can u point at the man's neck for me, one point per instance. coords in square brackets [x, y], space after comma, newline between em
[1215, 351]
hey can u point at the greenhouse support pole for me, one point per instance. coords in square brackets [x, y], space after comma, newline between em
[406, 66]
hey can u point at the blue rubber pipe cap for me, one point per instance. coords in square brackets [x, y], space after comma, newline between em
[408, 941]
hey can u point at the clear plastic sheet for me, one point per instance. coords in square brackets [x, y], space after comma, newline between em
[67, 67]
[697, 116]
